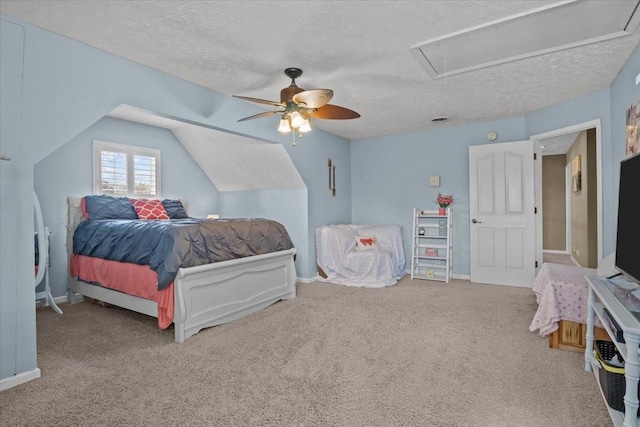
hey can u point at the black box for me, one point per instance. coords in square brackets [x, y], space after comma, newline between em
[613, 325]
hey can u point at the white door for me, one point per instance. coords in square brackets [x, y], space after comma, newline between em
[501, 209]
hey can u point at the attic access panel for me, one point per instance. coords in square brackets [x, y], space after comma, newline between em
[548, 29]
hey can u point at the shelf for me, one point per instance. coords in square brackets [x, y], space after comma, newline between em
[426, 265]
[439, 276]
[435, 278]
[598, 307]
[438, 237]
[600, 297]
[430, 257]
[426, 245]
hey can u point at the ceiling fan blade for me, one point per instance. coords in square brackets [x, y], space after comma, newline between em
[334, 112]
[265, 114]
[260, 101]
[314, 98]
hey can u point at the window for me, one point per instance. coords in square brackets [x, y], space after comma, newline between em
[124, 170]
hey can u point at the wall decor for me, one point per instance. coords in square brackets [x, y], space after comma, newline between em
[332, 177]
[576, 173]
[633, 130]
[333, 191]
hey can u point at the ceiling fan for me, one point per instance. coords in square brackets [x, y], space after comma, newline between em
[298, 106]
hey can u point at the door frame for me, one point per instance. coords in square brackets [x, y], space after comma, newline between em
[537, 142]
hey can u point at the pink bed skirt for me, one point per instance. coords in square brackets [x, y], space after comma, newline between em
[132, 279]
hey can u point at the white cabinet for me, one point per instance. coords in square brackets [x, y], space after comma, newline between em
[615, 296]
[431, 245]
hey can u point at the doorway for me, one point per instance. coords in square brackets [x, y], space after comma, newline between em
[582, 199]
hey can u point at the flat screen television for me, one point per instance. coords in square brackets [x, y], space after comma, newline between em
[628, 235]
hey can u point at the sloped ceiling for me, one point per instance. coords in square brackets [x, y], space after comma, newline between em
[359, 49]
[232, 162]
[253, 165]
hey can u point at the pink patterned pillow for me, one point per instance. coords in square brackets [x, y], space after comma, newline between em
[149, 209]
[365, 243]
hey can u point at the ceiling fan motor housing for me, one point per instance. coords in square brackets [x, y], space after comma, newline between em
[286, 94]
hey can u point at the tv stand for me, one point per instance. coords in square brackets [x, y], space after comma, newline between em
[603, 294]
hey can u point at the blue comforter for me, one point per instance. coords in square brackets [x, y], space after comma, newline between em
[168, 245]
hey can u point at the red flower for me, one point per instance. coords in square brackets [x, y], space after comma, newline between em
[444, 201]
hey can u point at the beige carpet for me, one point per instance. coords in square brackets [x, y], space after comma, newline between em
[416, 354]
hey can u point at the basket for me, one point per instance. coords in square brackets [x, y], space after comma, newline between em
[612, 380]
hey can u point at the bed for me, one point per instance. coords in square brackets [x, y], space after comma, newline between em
[561, 293]
[192, 297]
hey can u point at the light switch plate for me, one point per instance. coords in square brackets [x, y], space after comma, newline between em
[434, 181]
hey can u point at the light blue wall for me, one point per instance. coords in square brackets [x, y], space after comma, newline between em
[17, 309]
[323, 208]
[67, 87]
[278, 205]
[68, 171]
[390, 177]
[624, 94]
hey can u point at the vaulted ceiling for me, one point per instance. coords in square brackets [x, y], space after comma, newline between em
[359, 49]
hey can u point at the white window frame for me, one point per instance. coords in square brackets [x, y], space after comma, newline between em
[130, 151]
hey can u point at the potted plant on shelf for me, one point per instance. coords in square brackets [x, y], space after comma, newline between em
[444, 202]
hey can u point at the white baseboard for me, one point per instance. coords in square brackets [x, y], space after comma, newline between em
[550, 251]
[18, 379]
[307, 280]
[453, 276]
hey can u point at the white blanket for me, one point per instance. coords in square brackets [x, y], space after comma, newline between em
[344, 264]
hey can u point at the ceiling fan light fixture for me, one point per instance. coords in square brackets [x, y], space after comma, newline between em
[284, 126]
[305, 126]
[296, 120]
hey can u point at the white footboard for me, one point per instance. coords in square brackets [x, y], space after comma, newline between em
[213, 294]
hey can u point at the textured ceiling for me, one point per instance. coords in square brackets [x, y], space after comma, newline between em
[360, 49]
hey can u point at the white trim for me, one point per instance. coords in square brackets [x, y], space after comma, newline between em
[568, 210]
[553, 251]
[18, 379]
[538, 171]
[309, 279]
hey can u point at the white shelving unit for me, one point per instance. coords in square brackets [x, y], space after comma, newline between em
[431, 245]
[601, 296]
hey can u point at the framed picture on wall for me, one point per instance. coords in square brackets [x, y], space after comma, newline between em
[576, 173]
[632, 131]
